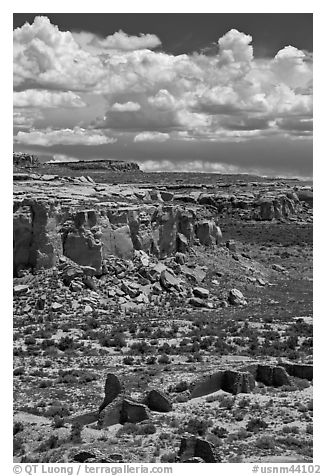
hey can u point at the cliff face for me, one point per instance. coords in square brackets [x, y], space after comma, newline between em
[87, 222]
[43, 231]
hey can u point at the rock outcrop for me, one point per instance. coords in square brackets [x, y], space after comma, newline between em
[44, 231]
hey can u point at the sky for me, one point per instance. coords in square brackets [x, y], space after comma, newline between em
[175, 92]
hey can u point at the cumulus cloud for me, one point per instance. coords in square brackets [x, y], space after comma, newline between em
[235, 48]
[225, 95]
[46, 57]
[44, 99]
[118, 41]
[125, 107]
[151, 137]
[76, 136]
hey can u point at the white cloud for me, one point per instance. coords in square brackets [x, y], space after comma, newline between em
[201, 95]
[151, 137]
[118, 41]
[46, 57]
[125, 107]
[44, 99]
[76, 136]
[235, 48]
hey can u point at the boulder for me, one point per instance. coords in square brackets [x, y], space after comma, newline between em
[193, 447]
[133, 412]
[112, 389]
[201, 292]
[157, 401]
[197, 302]
[195, 274]
[169, 280]
[21, 289]
[236, 298]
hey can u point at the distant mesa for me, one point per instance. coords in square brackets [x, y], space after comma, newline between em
[22, 159]
[95, 164]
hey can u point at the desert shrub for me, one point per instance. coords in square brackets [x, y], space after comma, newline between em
[292, 342]
[140, 347]
[220, 431]
[244, 402]
[291, 429]
[146, 429]
[128, 360]
[151, 360]
[238, 414]
[255, 425]
[302, 383]
[265, 442]
[196, 426]
[49, 444]
[92, 323]
[170, 457]
[29, 340]
[57, 409]
[163, 359]
[226, 401]
[135, 429]
[18, 426]
[66, 343]
[76, 376]
[241, 434]
[113, 340]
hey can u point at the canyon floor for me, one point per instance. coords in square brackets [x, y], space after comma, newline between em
[193, 290]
